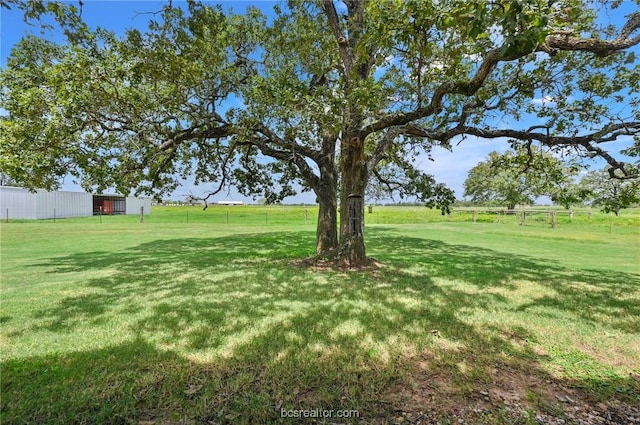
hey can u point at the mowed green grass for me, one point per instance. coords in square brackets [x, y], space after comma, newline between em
[203, 319]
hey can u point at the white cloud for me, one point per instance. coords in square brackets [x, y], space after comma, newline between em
[544, 101]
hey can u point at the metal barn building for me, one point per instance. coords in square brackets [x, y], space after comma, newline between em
[19, 203]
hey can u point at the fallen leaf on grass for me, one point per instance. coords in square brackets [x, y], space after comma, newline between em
[192, 389]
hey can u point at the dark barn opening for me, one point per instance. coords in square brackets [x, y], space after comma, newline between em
[109, 205]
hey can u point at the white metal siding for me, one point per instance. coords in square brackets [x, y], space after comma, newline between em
[64, 204]
[46, 205]
[19, 203]
[16, 203]
[134, 204]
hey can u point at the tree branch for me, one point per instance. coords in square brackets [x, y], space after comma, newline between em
[341, 39]
[223, 182]
[469, 87]
[195, 133]
[588, 142]
[285, 143]
[563, 41]
[382, 147]
[291, 157]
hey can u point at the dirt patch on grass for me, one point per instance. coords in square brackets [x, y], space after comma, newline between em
[512, 395]
[612, 356]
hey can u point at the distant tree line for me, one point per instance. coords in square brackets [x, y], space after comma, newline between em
[520, 176]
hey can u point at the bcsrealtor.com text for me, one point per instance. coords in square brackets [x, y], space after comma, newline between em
[319, 413]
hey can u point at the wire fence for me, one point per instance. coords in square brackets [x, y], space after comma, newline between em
[307, 215]
[532, 217]
[521, 217]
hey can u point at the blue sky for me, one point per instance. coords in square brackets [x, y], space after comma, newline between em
[448, 167]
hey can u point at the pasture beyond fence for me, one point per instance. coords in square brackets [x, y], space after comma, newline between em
[529, 217]
[301, 215]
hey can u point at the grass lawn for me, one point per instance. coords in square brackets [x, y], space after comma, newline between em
[198, 317]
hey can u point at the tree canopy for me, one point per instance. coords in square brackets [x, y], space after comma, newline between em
[519, 177]
[324, 95]
[611, 195]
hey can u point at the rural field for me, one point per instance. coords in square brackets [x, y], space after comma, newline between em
[206, 317]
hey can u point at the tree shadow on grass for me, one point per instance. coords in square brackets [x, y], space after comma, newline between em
[222, 330]
[590, 294]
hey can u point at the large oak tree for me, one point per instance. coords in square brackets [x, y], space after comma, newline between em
[611, 195]
[324, 95]
[519, 177]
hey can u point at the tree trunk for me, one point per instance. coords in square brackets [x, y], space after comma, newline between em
[326, 190]
[327, 229]
[354, 181]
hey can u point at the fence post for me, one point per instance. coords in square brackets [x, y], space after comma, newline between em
[100, 214]
[54, 215]
[498, 216]
[589, 215]
[571, 214]
[227, 216]
[553, 220]
[610, 222]
[306, 216]
[474, 216]
[7, 215]
[522, 217]
[142, 214]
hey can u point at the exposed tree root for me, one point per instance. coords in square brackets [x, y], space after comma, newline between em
[332, 261]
